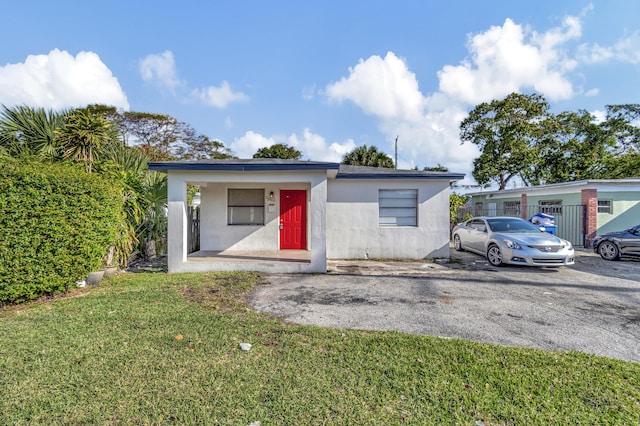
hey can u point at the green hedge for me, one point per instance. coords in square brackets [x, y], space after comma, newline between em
[56, 225]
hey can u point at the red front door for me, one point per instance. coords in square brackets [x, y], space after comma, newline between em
[293, 220]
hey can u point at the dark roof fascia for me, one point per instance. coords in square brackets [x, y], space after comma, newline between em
[399, 176]
[241, 167]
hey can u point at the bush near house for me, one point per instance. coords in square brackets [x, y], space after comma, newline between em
[56, 225]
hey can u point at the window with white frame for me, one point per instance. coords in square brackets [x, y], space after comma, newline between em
[245, 206]
[605, 206]
[398, 207]
[552, 207]
[511, 208]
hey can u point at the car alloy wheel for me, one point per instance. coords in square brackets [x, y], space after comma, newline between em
[457, 244]
[608, 250]
[494, 255]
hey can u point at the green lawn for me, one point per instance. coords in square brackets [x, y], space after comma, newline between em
[164, 349]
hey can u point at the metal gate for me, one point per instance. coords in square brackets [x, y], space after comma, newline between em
[570, 219]
[193, 229]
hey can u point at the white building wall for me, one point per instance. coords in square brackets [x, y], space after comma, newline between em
[216, 235]
[353, 231]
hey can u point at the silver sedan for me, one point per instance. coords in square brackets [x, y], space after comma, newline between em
[511, 240]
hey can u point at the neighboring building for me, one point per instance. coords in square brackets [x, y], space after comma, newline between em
[290, 216]
[583, 209]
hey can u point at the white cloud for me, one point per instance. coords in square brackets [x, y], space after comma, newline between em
[219, 97]
[510, 58]
[59, 80]
[626, 50]
[503, 59]
[247, 145]
[314, 146]
[592, 92]
[160, 69]
[380, 86]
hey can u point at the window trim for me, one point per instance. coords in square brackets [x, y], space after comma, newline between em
[260, 207]
[389, 209]
[511, 208]
[608, 206]
[552, 207]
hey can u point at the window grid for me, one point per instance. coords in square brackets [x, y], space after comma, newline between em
[552, 207]
[605, 206]
[398, 207]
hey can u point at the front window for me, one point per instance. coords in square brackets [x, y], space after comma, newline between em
[245, 207]
[511, 208]
[552, 207]
[398, 207]
[605, 206]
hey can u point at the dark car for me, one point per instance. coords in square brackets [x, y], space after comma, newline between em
[613, 245]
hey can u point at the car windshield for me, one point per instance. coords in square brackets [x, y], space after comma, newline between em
[511, 225]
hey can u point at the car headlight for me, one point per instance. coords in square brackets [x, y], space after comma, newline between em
[512, 245]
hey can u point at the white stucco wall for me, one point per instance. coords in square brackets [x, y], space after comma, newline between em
[353, 231]
[216, 235]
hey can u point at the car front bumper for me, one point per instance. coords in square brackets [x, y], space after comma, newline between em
[535, 257]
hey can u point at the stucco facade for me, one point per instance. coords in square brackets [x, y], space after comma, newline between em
[341, 213]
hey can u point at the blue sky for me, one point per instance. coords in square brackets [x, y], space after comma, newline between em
[323, 76]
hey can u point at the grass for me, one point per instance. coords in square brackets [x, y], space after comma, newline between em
[164, 349]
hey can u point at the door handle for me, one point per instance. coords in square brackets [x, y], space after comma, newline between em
[281, 226]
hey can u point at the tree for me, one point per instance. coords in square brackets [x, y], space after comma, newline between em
[572, 147]
[506, 132]
[84, 134]
[278, 150]
[367, 156]
[438, 168]
[203, 148]
[30, 132]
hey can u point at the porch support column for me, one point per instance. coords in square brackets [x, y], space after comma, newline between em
[176, 224]
[318, 216]
[590, 201]
[523, 206]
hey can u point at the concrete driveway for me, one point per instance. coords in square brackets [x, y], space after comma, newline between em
[592, 307]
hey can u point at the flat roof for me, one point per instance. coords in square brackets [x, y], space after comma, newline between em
[361, 172]
[253, 164]
[274, 164]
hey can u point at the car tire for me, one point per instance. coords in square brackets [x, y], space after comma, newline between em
[608, 250]
[457, 244]
[494, 255]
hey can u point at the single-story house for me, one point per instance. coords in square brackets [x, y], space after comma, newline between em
[276, 215]
[583, 209]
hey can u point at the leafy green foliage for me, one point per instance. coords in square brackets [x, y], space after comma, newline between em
[519, 138]
[367, 156]
[56, 225]
[456, 201]
[505, 131]
[30, 132]
[84, 134]
[278, 150]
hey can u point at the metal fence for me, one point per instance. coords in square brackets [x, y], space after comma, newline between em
[570, 219]
[193, 228]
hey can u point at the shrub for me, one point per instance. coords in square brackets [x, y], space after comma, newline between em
[56, 225]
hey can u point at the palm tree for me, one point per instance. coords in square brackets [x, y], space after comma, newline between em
[367, 156]
[30, 132]
[84, 134]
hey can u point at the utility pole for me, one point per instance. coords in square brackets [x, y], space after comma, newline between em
[395, 163]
